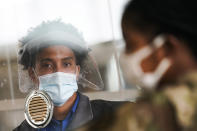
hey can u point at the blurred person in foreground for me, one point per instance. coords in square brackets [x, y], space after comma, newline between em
[53, 57]
[161, 57]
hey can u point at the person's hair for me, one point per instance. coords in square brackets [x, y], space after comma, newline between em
[176, 17]
[28, 57]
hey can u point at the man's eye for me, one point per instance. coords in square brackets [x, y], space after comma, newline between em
[67, 64]
[47, 66]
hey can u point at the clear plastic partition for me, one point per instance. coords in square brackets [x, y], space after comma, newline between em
[98, 21]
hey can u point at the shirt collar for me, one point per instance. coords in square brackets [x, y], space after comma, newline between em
[74, 107]
[75, 104]
[83, 113]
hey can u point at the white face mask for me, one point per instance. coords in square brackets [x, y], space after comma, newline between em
[59, 86]
[131, 66]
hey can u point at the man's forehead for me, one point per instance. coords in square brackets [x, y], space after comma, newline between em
[54, 53]
[56, 50]
[68, 58]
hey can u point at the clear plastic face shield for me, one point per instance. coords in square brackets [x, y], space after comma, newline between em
[133, 72]
[89, 76]
[85, 77]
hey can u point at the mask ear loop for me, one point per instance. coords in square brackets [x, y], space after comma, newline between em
[37, 85]
[159, 41]
[77, 75]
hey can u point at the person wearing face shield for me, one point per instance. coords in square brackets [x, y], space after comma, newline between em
[54, 58]
[160, 57]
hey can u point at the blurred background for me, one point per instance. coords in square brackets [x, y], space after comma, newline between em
[98, 20]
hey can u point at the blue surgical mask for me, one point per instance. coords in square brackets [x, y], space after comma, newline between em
[59, 86]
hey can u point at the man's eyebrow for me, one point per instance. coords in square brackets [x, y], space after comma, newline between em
[45, 60]
[68, 58]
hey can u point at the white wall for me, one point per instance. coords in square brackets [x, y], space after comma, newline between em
[99, 20]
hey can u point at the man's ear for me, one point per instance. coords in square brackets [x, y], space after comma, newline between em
[78, 68]
[32, 75]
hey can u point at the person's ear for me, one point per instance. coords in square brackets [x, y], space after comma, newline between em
[78, 71]
[178, 48]
[173, 43]
[170, 48]
[32, 74]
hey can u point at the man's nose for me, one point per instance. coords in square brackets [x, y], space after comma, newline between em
[59, 68]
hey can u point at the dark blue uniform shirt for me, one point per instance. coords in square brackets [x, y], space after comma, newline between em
[56, 125]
